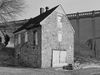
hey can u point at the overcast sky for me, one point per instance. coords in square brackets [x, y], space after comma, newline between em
[32, 7]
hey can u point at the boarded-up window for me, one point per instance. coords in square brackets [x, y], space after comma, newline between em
[26, 36]
[35, 38]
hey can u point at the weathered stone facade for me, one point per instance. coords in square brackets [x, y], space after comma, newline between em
[51, 35]
[26, 53]
[50, 39]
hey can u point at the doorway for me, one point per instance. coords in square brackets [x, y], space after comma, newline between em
[59, 58]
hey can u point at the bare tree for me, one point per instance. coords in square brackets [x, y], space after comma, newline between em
[9, 9]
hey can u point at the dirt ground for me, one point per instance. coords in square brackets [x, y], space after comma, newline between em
[87, 69]
[30, 71]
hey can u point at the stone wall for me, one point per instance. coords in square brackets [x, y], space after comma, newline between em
[50, 39]
[28, 54]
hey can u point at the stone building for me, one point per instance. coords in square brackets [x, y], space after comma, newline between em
[85, 24]
[46, 40]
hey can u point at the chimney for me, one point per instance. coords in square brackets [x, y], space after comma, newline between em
[41, 10]
[47, 8]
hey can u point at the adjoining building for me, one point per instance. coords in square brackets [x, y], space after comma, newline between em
[46, 40]
[87, 32]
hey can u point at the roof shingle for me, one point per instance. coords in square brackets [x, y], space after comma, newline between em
[36, 20]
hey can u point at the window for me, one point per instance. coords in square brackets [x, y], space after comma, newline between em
[19, 38]
[26, 36]
[16, 40]
[59, 36]
[35, 38]
[59, 23]
[59, 18]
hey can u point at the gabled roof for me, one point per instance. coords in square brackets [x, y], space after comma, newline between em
[36, 20]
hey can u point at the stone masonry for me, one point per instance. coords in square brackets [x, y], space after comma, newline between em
[50, 39]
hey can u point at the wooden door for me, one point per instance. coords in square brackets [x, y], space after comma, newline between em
[59, 58]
